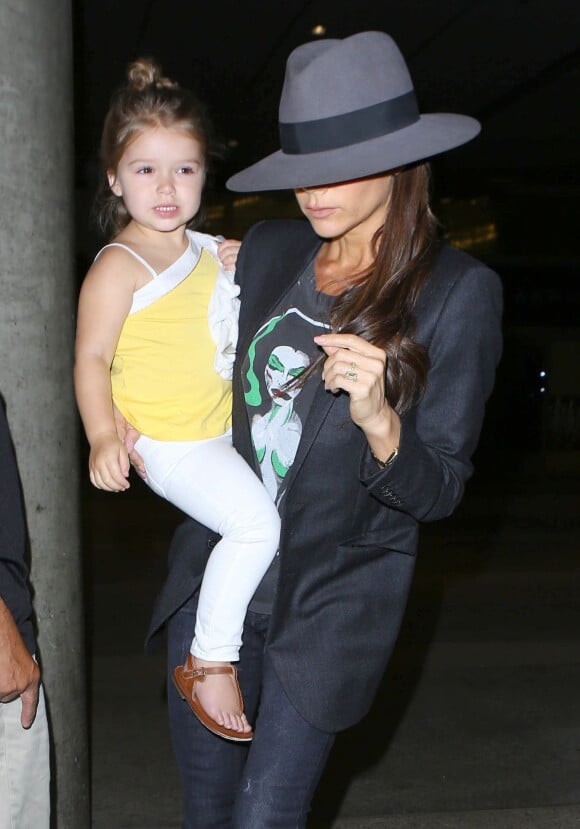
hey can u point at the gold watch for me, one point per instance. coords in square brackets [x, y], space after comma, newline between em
[390, 460]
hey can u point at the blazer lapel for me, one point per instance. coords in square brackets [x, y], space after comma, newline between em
[277, 275]
[321, 406]
[258, 305]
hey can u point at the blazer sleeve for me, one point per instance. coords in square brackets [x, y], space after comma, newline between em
[439, 436]
[13, 570]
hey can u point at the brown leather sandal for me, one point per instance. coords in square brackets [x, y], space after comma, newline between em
[184, 679]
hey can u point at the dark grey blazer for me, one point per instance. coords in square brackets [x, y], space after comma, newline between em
[349, 534]
[14, 588]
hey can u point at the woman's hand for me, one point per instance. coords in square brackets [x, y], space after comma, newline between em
[355, 366]
[129, 436]
[228, 251]
[109, 463]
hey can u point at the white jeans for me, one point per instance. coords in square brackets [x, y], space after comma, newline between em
[24, 768]
[211, 482]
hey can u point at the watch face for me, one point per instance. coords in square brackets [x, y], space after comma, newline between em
[389, 461]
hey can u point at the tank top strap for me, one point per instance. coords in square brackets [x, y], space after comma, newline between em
[139, 258]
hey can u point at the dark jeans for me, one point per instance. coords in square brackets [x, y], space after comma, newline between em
[268, 785]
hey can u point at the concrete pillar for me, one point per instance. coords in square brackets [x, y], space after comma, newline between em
[37, 298]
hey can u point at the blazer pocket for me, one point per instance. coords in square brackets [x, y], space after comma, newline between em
[398, 538]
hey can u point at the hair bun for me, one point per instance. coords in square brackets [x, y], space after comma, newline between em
[145, 72]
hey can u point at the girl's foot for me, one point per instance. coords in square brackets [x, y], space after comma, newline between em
[218, 695]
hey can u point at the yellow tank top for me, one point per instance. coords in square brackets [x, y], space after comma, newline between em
[162, 375]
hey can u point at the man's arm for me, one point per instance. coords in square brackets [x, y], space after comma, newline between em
[19, 673]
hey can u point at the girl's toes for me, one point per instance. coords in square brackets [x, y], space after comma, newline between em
[230, 721]
[235, 722]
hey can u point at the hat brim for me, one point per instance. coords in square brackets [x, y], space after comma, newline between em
[430, 135]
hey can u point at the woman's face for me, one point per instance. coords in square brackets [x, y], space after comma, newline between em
[348, 209]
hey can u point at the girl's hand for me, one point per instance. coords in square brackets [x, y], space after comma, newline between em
[355, 366]
[109, 463]
[228, 253]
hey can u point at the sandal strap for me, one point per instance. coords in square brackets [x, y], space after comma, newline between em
[189, 672]
[219, 669]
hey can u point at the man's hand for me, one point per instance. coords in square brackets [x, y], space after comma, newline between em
[19, 673]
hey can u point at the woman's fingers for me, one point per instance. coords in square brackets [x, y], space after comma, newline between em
[138, 464]
[347, 374]
[352, 357]
[349, 342]
[357, 367]
[357, 370]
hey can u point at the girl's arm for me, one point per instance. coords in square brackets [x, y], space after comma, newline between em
[228, 253]
[105, 301]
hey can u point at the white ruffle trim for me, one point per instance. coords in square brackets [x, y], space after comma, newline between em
[222, 312]
[222, 316]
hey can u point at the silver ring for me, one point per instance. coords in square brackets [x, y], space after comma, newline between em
[351, 373]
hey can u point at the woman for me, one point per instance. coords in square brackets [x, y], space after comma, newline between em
[357, 447]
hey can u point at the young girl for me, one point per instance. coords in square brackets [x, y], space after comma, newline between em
[157, 328]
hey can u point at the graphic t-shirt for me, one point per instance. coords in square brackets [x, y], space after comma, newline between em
[281, 350]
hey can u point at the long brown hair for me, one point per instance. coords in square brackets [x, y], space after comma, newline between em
[146, 101]
[379, 305]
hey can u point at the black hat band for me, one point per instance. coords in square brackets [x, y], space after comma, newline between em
[349, 128]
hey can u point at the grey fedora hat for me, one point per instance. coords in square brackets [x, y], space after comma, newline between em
[348, 110]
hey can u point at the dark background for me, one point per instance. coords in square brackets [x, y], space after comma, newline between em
[510, 197]
[501, 574]
[511, 63]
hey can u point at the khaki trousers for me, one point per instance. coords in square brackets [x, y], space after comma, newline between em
[24, 768]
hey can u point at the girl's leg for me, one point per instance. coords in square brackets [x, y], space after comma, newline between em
[284, 765]
[210, 768]
[212, 483]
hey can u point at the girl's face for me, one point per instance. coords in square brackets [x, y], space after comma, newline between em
[354, 209]
[160, 178]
